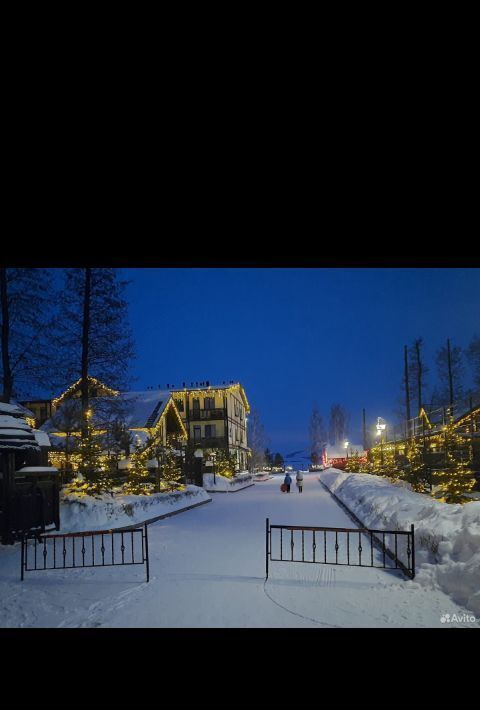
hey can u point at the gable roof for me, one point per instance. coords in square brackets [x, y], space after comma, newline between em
[143, 410]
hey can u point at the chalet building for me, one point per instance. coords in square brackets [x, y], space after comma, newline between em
[40, 409]
[204, 418]
[148, 413]
[216, 418]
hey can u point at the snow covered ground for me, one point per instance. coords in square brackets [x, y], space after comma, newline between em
[222, 484]
[207, 569]
[447, 537]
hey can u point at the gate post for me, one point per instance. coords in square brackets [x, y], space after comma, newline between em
[22, 559]
[267, 522]
[146, 554]
[412, 528]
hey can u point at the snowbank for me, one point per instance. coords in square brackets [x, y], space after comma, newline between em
[447, 537]
[223, 484]
[105, 512]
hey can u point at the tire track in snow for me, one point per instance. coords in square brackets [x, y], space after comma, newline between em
[301, 616]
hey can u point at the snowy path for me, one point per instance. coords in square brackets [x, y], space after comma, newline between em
[207, 569]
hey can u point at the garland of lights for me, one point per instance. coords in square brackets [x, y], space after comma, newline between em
[74, 388]
[220, 390]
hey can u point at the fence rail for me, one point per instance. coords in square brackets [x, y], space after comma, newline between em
[341, 546]
[99, 548]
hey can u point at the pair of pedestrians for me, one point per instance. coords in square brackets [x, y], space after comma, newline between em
[288, 482]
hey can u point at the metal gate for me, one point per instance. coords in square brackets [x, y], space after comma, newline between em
[99, 548]
[354, 547]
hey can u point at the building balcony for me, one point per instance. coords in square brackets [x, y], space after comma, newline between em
[201, 414]
[212, 442]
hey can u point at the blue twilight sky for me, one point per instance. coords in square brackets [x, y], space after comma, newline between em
[296, 337]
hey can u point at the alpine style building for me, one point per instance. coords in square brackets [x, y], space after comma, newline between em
[215, 417]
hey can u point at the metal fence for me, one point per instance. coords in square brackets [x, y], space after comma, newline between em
[438, 417]
[100, 548]
[354, 547]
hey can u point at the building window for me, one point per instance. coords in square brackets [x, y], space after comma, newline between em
[210, 431]
[197, 433]
[209, 403]
[179, 403]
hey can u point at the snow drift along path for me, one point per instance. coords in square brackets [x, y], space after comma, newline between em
[447, 537]
[207, 569]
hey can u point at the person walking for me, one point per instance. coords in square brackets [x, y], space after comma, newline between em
[287, 481]
[299, 478]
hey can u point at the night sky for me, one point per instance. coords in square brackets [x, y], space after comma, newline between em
[296, 337]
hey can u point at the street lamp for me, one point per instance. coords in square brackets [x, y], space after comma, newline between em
[381, 428]
[346, 447]
[213, 456]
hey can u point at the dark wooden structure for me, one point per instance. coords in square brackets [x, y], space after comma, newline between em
[29, 491]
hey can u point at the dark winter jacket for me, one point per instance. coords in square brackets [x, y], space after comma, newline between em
[287, 480]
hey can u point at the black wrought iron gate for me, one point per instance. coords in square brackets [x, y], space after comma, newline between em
[99, 548]
[355, 547]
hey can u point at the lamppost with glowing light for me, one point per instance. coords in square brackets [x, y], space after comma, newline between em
[346, 447]
[381, 428]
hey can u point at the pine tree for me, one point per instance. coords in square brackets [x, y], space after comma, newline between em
[338, 427]
[455, 480]
[473, 355]
[450, 374]
[67, 420]
[225, 463]
[317, 436]
[94, 475]
[256, 440]
[417, 371]
[27, 317]
[93, 336]
[138, 482]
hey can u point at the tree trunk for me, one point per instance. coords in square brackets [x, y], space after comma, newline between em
[407, 386]
[85, 343]
[6, 393]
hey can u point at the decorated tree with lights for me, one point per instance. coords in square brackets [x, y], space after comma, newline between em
[455, 480]
[382, 462]
[67, 420]
[94, 339]
[416, 472]
[138, 482]
[225, 463]
[94, 476]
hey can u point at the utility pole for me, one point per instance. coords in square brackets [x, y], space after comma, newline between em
[450, 374]
[419, 374]
[407, 388]
[364, 432]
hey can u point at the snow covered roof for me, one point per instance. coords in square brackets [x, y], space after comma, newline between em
[16, 434]
[42, 438]
[339, 451]
[142, 410]
[14, 409]
[145, 408]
